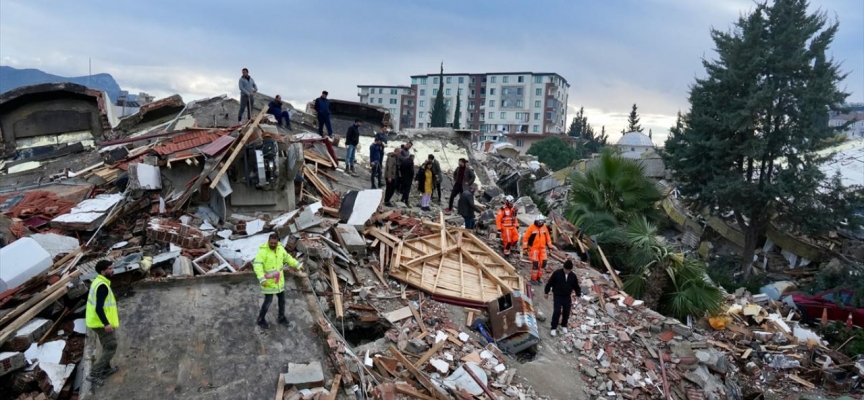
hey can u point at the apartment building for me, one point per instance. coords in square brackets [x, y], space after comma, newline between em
[493, 102]
[399, 100]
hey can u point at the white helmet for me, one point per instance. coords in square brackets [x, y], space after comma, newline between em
[540, 218]
[508, 199]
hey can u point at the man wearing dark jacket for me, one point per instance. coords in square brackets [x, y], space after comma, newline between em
[322, 110]
[391, 176]
[406, 172]
[467, 206]
[383, 134]
[436, 173]
[463, 178]
[563, 282]
[352, 139]
[376, 158]
[274, 108]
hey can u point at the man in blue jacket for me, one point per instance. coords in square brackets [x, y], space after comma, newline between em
[274, 108]
[247, 89]
[322, 109]
[376, 158]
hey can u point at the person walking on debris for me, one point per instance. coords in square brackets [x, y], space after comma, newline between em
[508, 225]
[247, 89]
[425, 183]
[101, 317]
[322, 110]
[463, 178]
[406, 171]
[274, 108]
[537, 241]
[467, 206]
[268, 265]
[352, 139]
[391, 176]
[436, 172]
[563, 282]
[376, 158]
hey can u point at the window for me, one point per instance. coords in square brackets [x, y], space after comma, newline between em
[410, 102]
[536, 103]
[520, 143]
[491, 103]
[470, 106]
[503, 115]
[422, 92]
[392, 111]
[538, 79]
[632, 149]
[482, 92]
[461, 79]
[491, 115]
[380, 100]
[505, 79]
[505, 103]
[420, 125]
[492, 79]
[492, 91]
[520, 79]
[413, 81]
[447, 92]
[435, 80]
[519, 91]
[549, 115]
[505, 91]
[519, 103]
[380, 91]
[538, 92]
[420, 114]
[392, 101]
[394, 91]
[434, 92]
[535, 128]
[422, 103]
[536, 116]
[449, 80]
[447, 103]
[473, 80]
[459, 91]
[422, 81]
[472, 93]
[371, 100]
[470, 117]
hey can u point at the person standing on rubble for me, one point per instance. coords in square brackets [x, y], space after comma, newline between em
[376, 158]
[436, 172]
[537, 241]
[508, 225]
[248, 88]
[383, 134]
[101, 317]
[322, 111]
[563, 282]
[463, 178]
[268, 265]
[352, 139]
[467, 206]
[391, 175]
[425, 183]
[406, 171]
[274, 108]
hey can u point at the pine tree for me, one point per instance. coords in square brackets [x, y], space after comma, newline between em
[439, 111]
[763, 100]
[633, 121]
[576, 124]
[458, 113]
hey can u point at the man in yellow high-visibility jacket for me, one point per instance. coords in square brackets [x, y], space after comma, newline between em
[101, 317]
[268, 265]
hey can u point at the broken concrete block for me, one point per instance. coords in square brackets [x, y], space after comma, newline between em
[713, 359]
[182, 266]
[22, 260]
[11, 361]
[353, 242]
[358, 206]
[52, 377]
[304, 376]
[29, 333]
[416, 346]
[170, 231]
[56, 244]
[144, 177]
[88, 214]
[440, 365]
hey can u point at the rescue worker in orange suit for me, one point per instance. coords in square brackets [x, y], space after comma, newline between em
[537, 241]
[508, 225]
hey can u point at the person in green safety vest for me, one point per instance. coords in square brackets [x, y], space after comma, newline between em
[101, 317]
[268, 265]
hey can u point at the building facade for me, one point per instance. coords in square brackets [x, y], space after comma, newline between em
[493, 102]
[399, 99]
[854, 117]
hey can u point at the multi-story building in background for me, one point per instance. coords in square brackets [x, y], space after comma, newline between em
[398, 99]
[854, 117]
[494, 102]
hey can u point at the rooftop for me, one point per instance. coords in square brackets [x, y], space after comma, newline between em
[495, 73]
[635, 139]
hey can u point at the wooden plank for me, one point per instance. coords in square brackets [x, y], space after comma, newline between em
[398, 315]
[504, 288]
[334, 390]
[424, 381]
[237, 148]
[469, 319]
[32, 312]
[417, 317]
[432, 255]
[610, 269]
[280, 387]
[429, 353]
[408, 390]
[27, 305]
[800, 380]
[337, 294]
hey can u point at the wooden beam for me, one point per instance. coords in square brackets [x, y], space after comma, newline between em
[334, 390]
[610, 269]
[337, 294]
[408, 390]
[494, 278]
[417, 317]
[34, 311]
[280, 387]
[422, 378]
[237, 148]
[37, 298]
[432, 255]
[429, 353]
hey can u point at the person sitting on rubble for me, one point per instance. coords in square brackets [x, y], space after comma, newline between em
[425, 183]
[100, 315]
[322, 112]
[248, 88]
[391, 175]
[376, 158]
[268, 265]
[467, 206]
[436, 172]
[508, 225]
[563, 282]
[274, 108]
[463, 178]
[537, 241]
[352, 139]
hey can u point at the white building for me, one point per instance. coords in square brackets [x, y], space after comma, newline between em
[855, 118]
[399, 99]
[633, 144]
[505, 102]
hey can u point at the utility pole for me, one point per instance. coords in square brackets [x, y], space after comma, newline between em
[89, 70]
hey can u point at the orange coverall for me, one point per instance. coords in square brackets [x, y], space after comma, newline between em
[508, 225]
[537, 240]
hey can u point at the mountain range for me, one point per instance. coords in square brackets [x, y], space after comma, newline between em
[11, 78]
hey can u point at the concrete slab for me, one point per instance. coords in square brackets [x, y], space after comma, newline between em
[196, 338]
[304, 376]
[22, 260]
[358, 206]
[56, 244]
[144, 177]
[11, 361]
[352, 241]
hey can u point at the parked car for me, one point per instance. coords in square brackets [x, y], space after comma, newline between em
[811, 306]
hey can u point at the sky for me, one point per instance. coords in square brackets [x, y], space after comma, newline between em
[613, 53]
